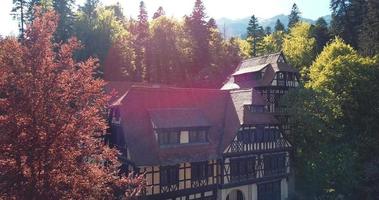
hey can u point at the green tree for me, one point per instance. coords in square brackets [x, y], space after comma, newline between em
[294, 16]
[279, 26]
[369, 37]
[197, 27]
[321, 33]
[334, 128]
[268, 30]
[142, 35]
[66, 19]
[255, 33]
[166, 61]
[299, 47]
[94, 23]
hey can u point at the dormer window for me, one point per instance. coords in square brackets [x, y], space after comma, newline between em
[183, 136]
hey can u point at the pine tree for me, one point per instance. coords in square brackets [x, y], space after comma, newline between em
[255, 33]
[159, 12]
[279, 26]
[268, 30]
[141, 42]
[19, 12]
[66, 19]
[369, 38]
[197, 27]
[321, 33]
[294, 16]
[89, 9]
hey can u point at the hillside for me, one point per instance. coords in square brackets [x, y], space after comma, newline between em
[237, 28]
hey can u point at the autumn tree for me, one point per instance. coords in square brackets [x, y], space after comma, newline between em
[272, 43]
[51, 120]
[334, 126]
[299, 47]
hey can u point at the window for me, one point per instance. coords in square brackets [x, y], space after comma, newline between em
[174, 137]
[169, 175]
[274, 164]
[269, 191]
[258, 75]
[198, 136]
[258, 108]
[184, 137]
[242, 168]
[201, 170]
[168, 137]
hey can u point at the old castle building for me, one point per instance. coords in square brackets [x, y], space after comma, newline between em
[226, 144]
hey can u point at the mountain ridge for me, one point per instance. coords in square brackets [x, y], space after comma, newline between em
[237, 27]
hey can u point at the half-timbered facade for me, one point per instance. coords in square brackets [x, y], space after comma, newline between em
[226, 144]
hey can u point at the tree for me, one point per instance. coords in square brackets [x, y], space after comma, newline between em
[197, 27]
[19, 12]
[334, 133]
[272, 43]
[51, 122]
[321, 33]
[142, 35]
[101, 25]
[254, 33]
[294, 16]
[299, 47]
[279, 26]
[159, 12]
[66, 19]
[268, 30]
[165, 62]
[369, 37]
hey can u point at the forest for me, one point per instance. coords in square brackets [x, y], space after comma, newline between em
[66, 54]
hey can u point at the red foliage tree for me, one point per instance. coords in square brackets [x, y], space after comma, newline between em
[51, 119]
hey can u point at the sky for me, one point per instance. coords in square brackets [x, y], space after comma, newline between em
[232, 9]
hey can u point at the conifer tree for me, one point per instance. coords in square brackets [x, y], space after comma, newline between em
[142, 34]
[279, 26]
[268, 30]
[369, 37]
[19, 12]
[159, 12]
[66, 19]
[197, 27]
[255, 33]
[321, 33]
[294, 16]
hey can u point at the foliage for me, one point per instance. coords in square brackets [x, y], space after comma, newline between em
[299, 47]
[272, 43]
[51, 122]
[113, 44]
[369, 37]
[334, 128]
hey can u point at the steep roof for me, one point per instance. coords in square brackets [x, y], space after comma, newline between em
[269, 64]
[178, 118]
[142, 105]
